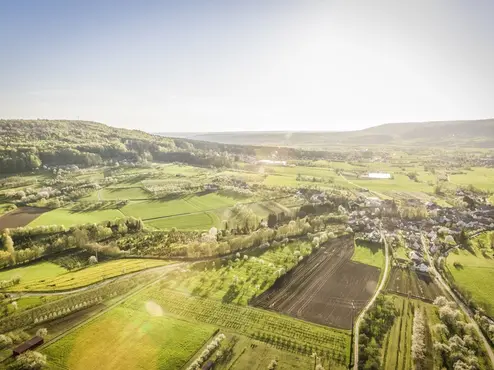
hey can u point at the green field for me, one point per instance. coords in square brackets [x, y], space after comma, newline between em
[26, 303]
[138, 337]
[397, 344]
[59, 279]
[252, 276]
[187, 204]
[369, 253]
[196, 221]
[123, 193]
[251, 354]
[67, 218]
[288, 333]
[471, 274]
[482, 178]
[398, 183]
[38, 271]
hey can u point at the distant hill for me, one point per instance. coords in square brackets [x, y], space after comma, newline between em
[473, 134]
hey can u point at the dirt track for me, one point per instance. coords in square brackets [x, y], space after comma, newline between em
[323, 288]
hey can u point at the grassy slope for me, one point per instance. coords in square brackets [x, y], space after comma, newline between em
[476, 270]
[90, 275]
[129, 338]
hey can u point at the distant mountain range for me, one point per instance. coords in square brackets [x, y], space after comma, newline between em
[472, 133]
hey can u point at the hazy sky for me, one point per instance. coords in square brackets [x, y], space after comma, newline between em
[247, 65]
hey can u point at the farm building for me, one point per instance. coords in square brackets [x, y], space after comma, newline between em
[27, 345]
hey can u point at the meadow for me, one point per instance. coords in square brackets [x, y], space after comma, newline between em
[38, 271]
[368, 253]
[67, 217]
[285, 333]
[109, 342]
[57, 278]
[242, 279]
[480, 177]
[147, 210]
[469, 273]
[196, 221]
[398, 341]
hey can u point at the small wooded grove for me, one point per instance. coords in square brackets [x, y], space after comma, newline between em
[376, 323]
[25, 244]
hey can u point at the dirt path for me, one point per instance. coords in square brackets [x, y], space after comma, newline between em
[466, 310]
[371, 302]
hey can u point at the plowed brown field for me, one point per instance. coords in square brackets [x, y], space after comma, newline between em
[323, 287]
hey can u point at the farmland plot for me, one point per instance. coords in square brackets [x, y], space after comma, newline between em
[416, 284]
[323, 288]
[20, 217]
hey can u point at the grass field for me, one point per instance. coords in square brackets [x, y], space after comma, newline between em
[60, 279]
[369, 253]
[398, 183]
[26, 303]
[128, 338]
[191, 203]
[398, 341]
[66, 217]
[471, 274]
[251, 354]
[482, 178]
[402, 252]
[287, 333]
[38, 271]
[123, 193]
[215, 282]
[197, 221]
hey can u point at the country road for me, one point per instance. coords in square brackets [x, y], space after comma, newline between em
[466, 310]
[371, 302]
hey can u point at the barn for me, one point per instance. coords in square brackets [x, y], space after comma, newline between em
[27, 345]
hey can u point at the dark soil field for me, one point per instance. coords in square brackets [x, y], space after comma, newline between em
[416, 284]
[20, 217]
[323, 287]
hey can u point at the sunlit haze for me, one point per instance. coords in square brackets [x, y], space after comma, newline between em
[252, 65]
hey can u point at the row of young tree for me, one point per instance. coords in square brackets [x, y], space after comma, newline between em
[68, 304]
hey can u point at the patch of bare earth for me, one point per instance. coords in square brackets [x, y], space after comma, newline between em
[322, 288]
[20, 217]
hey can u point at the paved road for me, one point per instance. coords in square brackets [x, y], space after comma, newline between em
[466, 310]
[371, 302]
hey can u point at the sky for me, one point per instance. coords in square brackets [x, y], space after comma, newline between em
[186, 65]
